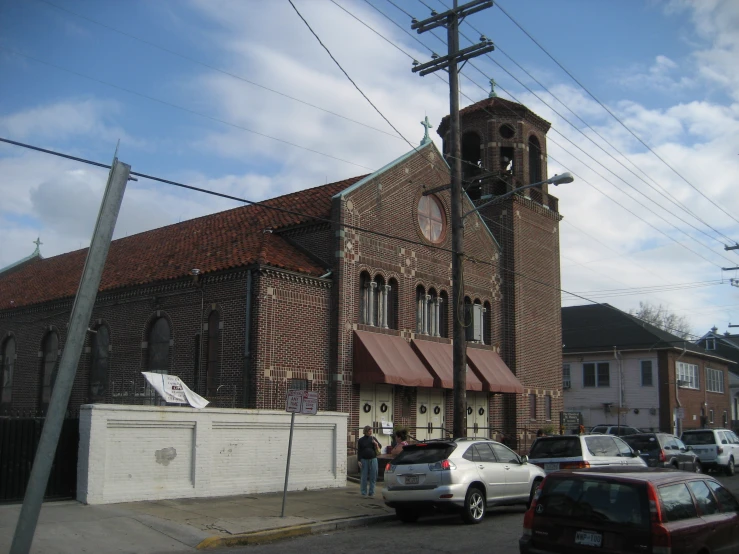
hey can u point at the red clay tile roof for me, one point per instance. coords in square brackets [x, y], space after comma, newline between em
[497, 106]
[224, 240]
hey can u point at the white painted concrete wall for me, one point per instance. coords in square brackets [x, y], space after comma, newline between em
[131, 453]
[636, 398]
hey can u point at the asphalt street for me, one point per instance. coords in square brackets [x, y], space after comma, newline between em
[499, 532]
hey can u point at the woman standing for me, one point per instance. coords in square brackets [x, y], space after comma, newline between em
[367, 450]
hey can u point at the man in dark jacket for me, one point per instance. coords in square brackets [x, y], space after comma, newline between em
[367, 450]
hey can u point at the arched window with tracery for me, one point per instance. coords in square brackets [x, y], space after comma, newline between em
[392, 304]
[213, 369]
[433, 313]
[159, 338]
[50, 357]
[99, 368]
[8, 369]
[421, 311]
[365, 303]
[379, 302]
[444, 314]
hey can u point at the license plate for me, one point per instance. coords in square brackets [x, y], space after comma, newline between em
[411, 480]
[588, 538]
[551, 467]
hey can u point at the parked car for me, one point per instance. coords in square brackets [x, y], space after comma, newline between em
[718, 449]
[664, 450]
[616, 511]
[581, 451]
[619, 430]
[465, 475]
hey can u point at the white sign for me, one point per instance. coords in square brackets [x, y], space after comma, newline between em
[387, 427]
[680, 413]
[173, 390]
[310, 403]
[294, 401]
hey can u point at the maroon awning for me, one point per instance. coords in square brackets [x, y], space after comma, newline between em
[492, 371]
[388, 359]
[437, 357]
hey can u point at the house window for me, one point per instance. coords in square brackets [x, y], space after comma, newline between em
[687, 376]
[710, 416]
[596, 374]
[443, 314]
[726, 419]
[714, 380]
[365, 298]
[532, 406]
[298, 384]
[100, 363]
[566, 379]
[421, 311]
[213, 369]
[548, 406]
[646, 373]
[6, 379]
[431, 218]
[710, 344]
[392, 304]
[159, 336]
[432, 307]
[50, 352]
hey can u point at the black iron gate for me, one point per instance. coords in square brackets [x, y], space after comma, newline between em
[19, 438]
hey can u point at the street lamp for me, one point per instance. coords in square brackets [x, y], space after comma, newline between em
[556, 180]
[459, 350]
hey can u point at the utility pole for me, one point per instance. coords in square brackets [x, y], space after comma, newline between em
[451, 20]
[79, 319]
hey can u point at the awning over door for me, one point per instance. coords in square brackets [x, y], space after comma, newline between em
[437, 357]
[380, 358]
[492, 371]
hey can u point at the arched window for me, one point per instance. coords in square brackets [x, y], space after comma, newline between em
[6, 379]
[433, 313]
[159, 337]
[392, 304]
[534, 160]
[365, 304]
[99, 370]
[50, 353]
[444, 314]
[487, 331]
[421, 311]
[212, 372]
[431, 218]
[471, 164]
[379, 303]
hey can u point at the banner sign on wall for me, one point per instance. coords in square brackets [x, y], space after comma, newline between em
[173, 390]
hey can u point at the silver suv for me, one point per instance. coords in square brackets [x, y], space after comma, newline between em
[581, 451]
[466, 475]
[717, 448]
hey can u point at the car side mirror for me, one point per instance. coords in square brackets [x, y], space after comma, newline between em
[524, 459]
[689, 448]
[635, 453]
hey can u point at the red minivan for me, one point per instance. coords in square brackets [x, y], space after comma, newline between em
[657, 511]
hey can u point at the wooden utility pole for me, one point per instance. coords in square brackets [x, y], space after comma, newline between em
[451, 20]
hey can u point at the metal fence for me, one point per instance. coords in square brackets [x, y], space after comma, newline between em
[20, 432]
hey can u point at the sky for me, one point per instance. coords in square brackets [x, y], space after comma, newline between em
[238, 97]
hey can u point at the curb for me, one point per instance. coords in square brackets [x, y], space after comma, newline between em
[259, 537]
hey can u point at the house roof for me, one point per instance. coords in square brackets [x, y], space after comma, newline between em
[727, 346]
[215, 242]
[601, 327]
[498, 106]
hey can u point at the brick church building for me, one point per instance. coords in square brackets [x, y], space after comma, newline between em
[344, 289]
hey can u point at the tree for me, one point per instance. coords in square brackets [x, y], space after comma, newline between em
[662, 317]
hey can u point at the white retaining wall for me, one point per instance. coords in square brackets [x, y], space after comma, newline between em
[131, 453]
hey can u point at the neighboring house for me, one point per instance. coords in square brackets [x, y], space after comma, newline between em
[620, 369]
[344, 289]
[727, 346]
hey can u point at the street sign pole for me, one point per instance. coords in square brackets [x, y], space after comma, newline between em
[287, 467]
[298, 401]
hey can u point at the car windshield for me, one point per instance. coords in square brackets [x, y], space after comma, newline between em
[556, 447]
[594, 501]
[643, 443]
[698, 437]
[424, 453]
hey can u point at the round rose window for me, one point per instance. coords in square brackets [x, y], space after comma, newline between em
[431, 218]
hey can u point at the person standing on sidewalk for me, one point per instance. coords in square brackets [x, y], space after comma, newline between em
[367, 450]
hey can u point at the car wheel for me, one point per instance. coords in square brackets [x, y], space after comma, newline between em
[697, 467]
[535, 486]
[407, 515]
[474, 506]
[730, 467]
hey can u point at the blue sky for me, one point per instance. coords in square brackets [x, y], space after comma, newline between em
[667, 69]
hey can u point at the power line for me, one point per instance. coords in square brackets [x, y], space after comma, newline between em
[212, 67]
[611, 113]
[188, 110]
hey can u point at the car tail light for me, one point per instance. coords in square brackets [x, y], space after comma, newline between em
[389, 468]
[661, 540]
[719, 450]
[443, 465]
[528, 518]
[662, 457]
[574, 465]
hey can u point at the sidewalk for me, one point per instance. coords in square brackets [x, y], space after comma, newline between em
[194, 524]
